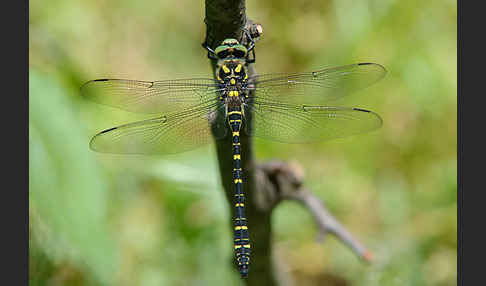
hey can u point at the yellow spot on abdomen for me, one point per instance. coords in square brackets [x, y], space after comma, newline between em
[236, 157]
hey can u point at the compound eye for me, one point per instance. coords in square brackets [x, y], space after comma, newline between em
[239, 53]
[223, 54]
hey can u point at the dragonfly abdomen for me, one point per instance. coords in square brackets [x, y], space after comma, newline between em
[241, 238]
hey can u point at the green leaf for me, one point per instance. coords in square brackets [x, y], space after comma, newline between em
[67, 193]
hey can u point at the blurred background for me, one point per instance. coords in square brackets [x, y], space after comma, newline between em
[98, 219]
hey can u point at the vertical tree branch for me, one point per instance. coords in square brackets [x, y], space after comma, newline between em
[227, 19]
[265, 185]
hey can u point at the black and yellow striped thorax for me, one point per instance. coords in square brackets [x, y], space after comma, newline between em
[232, 77]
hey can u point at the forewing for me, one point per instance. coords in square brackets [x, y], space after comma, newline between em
[304, 124]
[151, 96]
[162, 135]
[318, 87]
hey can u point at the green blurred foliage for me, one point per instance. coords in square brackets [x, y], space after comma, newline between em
[98, 219]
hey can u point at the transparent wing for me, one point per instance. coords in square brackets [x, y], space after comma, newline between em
[150, 96]
[169, 134]
[304, 124]
[318, 87]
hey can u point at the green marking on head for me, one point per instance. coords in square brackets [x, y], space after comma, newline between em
[230, 47]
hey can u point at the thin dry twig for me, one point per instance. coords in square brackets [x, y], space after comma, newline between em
[327, 223]
[288, 179]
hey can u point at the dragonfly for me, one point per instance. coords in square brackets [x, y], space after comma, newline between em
[284, 107]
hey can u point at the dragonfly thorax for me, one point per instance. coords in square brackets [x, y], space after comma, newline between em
[232, 76]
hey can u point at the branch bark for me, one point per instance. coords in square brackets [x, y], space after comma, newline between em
[265, 185]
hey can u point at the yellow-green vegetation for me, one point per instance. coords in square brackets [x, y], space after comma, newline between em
[98, 219]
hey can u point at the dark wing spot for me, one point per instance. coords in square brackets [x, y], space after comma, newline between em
[108, 130]
[359, 109]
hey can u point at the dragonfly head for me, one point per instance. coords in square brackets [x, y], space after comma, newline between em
[231, 48]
